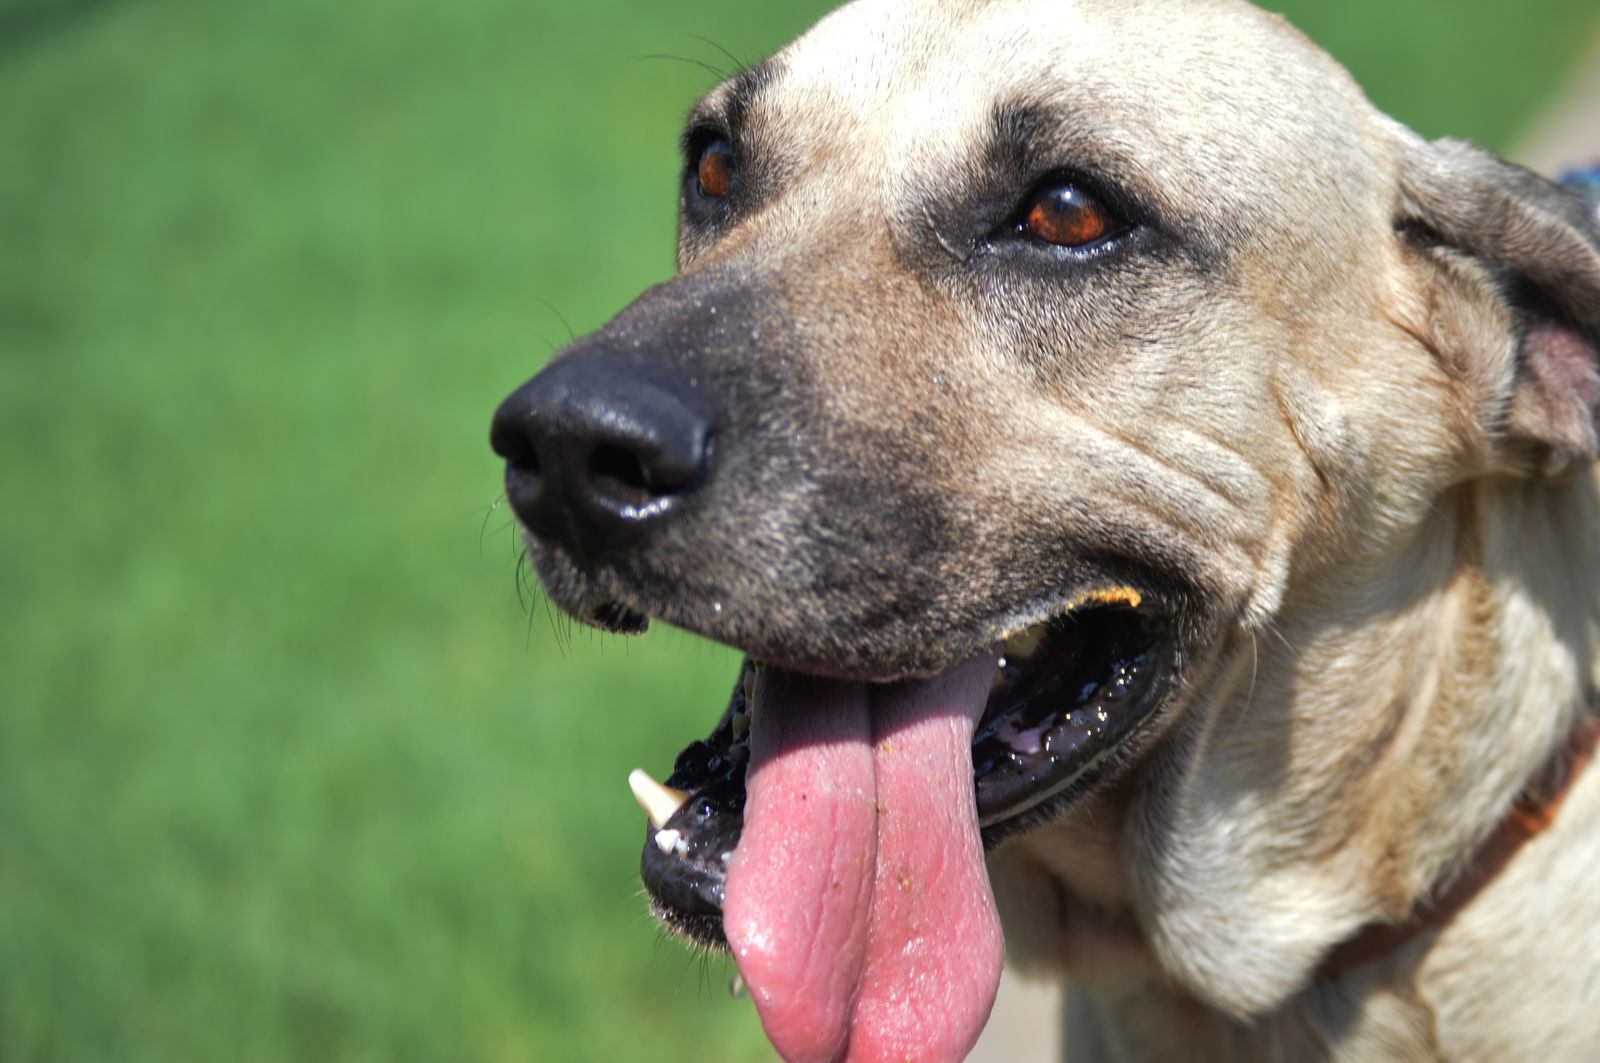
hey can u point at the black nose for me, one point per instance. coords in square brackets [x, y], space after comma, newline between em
[597, 454]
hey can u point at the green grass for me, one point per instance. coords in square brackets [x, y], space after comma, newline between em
[286, 770]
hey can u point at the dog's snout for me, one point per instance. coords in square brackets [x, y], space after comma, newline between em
[596, 454]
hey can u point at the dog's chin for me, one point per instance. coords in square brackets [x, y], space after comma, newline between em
[586, 597]
[1071, 700]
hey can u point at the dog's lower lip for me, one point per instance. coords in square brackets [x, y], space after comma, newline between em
[618, 619]
[1069, 692]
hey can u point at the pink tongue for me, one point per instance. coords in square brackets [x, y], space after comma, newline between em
[857, 903]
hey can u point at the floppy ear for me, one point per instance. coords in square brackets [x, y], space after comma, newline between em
[1514, 264]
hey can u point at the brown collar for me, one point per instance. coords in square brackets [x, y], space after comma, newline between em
[1533, 811]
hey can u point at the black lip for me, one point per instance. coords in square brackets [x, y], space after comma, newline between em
[686, 885]
[1095, 683]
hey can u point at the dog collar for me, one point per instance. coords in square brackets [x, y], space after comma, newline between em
[1533, 811]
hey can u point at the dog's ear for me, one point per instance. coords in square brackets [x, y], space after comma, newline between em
[1513, 262]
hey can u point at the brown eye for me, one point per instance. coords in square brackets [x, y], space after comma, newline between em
[1068, 216]
[715, 169]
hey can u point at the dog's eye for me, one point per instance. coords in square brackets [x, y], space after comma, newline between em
[1067, 216]
[714, 171]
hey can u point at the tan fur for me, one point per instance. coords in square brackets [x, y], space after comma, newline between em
[1416, 630]
[1349, 393]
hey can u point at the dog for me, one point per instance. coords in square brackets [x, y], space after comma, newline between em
[1156, 494]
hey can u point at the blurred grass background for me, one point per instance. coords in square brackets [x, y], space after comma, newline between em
[287, 770]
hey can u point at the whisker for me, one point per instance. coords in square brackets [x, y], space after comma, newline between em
[488, 514]
[548, 305]
[740, 66]
[519, 580]
[713, 71]
[1250, 690]
[563, 643]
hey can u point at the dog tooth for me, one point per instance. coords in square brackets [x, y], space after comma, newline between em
[741, 726]
[1025, 643]
[668, 840]
[659, 802]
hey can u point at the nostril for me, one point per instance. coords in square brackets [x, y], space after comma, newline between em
[514, 445]
[643, 479]
[620, 473]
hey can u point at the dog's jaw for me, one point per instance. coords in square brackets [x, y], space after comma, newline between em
[847, 862]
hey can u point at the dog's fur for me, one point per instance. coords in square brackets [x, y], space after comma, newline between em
[1340, 387]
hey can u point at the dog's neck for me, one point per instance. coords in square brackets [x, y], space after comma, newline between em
[1475, 657]
[1487, 658]
[1472, 652]
[1469, 649]
[1532, 813]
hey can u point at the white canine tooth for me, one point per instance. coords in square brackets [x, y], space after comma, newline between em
[668, 840]
[659, 802]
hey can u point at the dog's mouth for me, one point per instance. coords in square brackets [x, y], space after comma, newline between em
[1066, 696]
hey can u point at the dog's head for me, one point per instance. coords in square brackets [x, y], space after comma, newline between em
[1025, 356]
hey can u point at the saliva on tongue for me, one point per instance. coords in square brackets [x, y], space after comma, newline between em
[857, 906]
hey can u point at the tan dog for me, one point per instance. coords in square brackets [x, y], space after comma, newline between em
[1126, 452]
